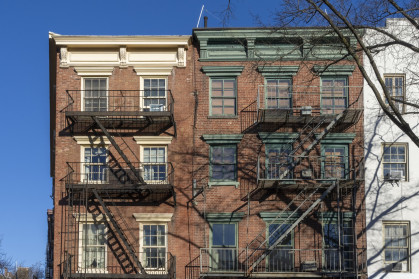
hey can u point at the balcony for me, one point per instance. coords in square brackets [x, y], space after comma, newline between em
[108, 266]
[278, 106]
[117, 177]
[145, 111]
[293, 171]
[281, 262]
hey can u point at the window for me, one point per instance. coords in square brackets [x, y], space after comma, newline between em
[396, 89]
[93, 248]
[154, 246]
[278, 94]
[94, 166]
[223, 96]
[334, 95]
[335, 161]
[282, 257]
[223, 163]
[278, 160]
[224, 247]
[95, 94]
[396, 246]
[154, 162]
[154, 94]
[395, 161]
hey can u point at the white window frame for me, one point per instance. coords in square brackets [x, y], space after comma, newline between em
[82, 165]
[406, 156]
[408, 247]
[393, 76]
[83, 90]
[144, 163]
[142, 99]
[80, 268]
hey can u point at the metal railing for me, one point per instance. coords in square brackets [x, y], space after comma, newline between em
[119, 173]
[310, 168]
[119, 101]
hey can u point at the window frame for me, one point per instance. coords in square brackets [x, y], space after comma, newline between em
[278, 146]
[346, 160]
[83, 90]
[81, 248]
[290, 101]
[233, 248]
[408, 247]
[211, 179]
[393, 77]
[346, 97]
[142, 257]
[142, 91]
[384, 145]
[83, 164]
[142, 146]
[292, 255]
[223, 78]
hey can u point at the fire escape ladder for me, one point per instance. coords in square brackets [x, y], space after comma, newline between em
[119, 231]
[270, 248]
[118, 149]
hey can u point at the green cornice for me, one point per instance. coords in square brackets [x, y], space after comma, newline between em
[338, 138]
[277, 137]
[222, 139]
[332, 216]
[271, 216]
[232, 217]
[334, 70]
[222, 70]
[278, 71]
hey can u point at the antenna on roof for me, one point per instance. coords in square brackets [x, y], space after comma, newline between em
[200, 14]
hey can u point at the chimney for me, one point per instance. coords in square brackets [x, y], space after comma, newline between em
[205, 21]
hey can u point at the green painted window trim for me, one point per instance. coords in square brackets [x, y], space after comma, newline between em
[338, 138]
[279, 138]
[334, 77]
[287, 78]
[270, 216]
[332, 216]
[236, 238]
[223, 98]
[224, 217]
[222, 138]
[222, 71]
[346, 162]
[278, 71]
[334, 70]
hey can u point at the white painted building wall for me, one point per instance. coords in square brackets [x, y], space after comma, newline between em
[385, 201]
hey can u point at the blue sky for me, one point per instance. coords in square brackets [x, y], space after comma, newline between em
[25, 185]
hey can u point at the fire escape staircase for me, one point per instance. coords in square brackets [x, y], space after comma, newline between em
[120, 232]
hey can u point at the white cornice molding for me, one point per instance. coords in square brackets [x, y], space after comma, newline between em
[89, 217]
[153, 71]
[150, 140]
[153, 217]
[85, 140]
[94, 71]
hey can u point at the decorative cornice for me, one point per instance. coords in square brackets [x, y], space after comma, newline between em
[337, 138]
[222, 139]
[278, 71]
[94, 71]
[232, 217]
[144, 140]
[86, 140]
[153, 70]
[91, 218]
[288, 216]
[153, 217]
[222, 70]
[334, 70]
[277, 137]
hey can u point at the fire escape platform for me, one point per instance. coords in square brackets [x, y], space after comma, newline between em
[296, 184]
[132, 188]
[117, 276]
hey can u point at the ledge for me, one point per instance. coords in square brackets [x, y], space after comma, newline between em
[153, 217]
[159, 140]
[277, 137]
[336, 70]
[221, 139]
[224, 183]
[278, 71]
[271, 216]
[222, 70]
[225, 216]
[338, 138]
[223, 117]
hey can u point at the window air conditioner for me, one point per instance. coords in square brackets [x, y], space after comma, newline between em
[306, 110]
[306, 173]
[156, 107]
[399, 266]
[393, 176]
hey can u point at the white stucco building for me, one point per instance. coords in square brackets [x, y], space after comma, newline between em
[392, 160]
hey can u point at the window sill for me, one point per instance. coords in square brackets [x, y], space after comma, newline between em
[223, 117]
[224, 183]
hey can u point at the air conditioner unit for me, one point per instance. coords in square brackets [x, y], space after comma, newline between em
[156, 107]
[399, 266]
[306, 173]
[306, 110]
[393, 176]
[309, 266]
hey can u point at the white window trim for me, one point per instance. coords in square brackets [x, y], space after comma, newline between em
[152, 219]
[80, 269]
[388, 144]
[142, 78]
[409, 256]
[397, 75]
[82, 152]
[153, 140]
[82, 89]
[144, 163]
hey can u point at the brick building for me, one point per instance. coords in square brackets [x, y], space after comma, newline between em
[234, 152]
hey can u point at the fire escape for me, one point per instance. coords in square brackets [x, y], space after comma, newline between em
[99, 241]
[310, 178]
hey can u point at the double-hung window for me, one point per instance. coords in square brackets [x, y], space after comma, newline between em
[154, 246]
[334, 95]
[396, 246]
[154, 94]
[396, 88]
[223, 97]
[154, 162]
[278, 161]
[282, 257]
[95, 94]
[335, 161]
[278, 94]
[95, 169]
[93, 248]
[395, 161]
[223, 162]
[224, 247]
